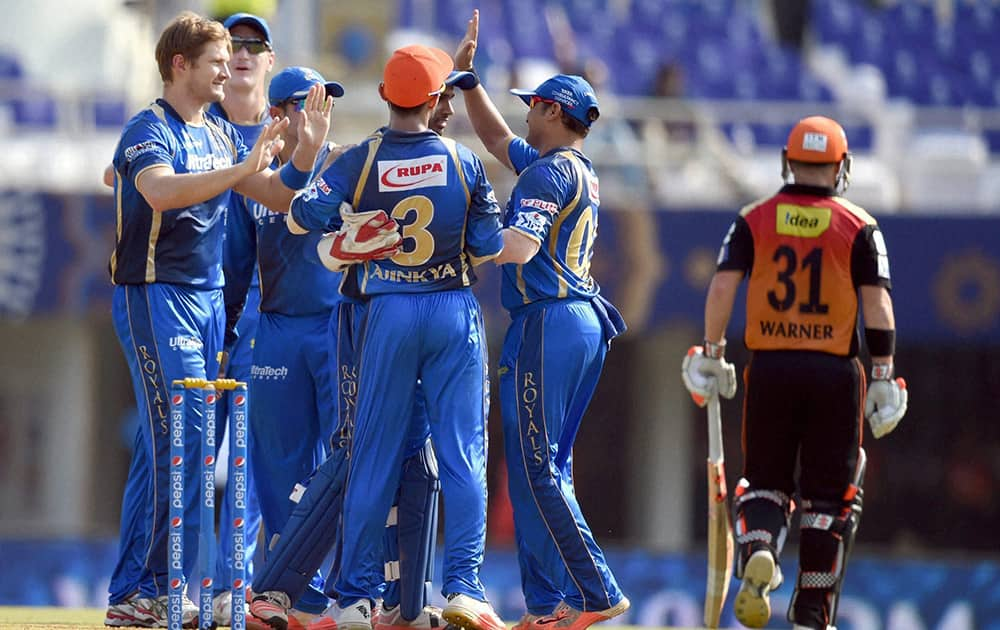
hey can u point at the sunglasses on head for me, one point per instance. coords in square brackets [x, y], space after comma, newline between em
[253, 46]
[538, 99]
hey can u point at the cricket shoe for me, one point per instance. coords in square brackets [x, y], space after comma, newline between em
[222, 607]
[356, 616]
[270, 610]
[528, 620]
[148, 612]
[392, 619]
[189, 612]
[470, 613]
[753, 602]
[124, 615]
[565, 617]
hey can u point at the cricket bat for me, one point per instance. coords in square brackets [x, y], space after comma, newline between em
[720, 530]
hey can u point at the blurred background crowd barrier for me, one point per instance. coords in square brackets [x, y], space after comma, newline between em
[697, 98]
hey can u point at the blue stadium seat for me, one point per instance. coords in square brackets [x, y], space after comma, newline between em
[451, 16]
[527, 37]
[109, 114]
[773, 135]
[872, 45]
[836, 21]
[981, 81]
[649, 16]
[812, 91]
[905, 71]
[764, 135]
[34, 108]
[634, 62]
[860, 138]
[588, 16]
[910, 20]
[10, 66]
[992, 137]
[976, 24]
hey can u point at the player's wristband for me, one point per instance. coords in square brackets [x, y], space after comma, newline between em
[881, 343]
[882, 371]
[469, 80]
[471, 85]
[293, 177]
[714, 350]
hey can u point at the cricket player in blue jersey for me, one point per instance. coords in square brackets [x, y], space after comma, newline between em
[245, 107]
[561, 329]
[422, 323]
[292, 390]
[313, 528]
[173, 169]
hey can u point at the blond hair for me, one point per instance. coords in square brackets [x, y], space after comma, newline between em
[187, 35]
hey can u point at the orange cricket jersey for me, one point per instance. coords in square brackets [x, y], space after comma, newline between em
[800, 293]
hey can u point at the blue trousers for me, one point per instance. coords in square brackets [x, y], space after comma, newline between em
[166, 332]
[552, 359]
[437, 338]
[292, 398]
[314, 529]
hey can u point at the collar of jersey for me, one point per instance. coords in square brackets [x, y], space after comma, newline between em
[580, 154]
[407, 135]
[803, 189]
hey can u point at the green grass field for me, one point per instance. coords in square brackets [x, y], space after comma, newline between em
[18, 618]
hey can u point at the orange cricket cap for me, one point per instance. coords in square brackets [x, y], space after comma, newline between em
[414, 74]
[818, 140]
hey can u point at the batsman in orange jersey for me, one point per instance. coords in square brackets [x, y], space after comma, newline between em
[812, 260]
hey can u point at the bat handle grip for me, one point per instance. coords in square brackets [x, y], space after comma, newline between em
[716, 453]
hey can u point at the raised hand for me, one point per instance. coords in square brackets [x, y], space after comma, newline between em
[314, 119]
[268, 145]
[466, 52]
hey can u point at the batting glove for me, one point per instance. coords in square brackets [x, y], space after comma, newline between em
[885, 403]
[705, 376]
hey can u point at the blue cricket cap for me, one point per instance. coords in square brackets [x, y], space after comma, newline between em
[573, 93]
[461, 79]
[251, 20]
[295, 81]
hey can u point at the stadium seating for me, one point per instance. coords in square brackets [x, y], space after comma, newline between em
[914, 53]
[927, 58]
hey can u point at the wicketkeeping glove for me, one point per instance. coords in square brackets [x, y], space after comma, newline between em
[885, 405]
[364, 236]
[705, 377]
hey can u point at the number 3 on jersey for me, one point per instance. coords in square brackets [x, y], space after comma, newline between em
[418, 242]
[783, 297]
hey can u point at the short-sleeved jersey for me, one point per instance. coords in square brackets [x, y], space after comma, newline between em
[289, 282]
[555, 203]
[242, 209]
[806, 251]
[435, 188]
[184, 245]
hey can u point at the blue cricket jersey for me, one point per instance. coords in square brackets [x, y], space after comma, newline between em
[184, 245]
[242, 210]
[290, 282]
[555, 203]
[435, 188]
